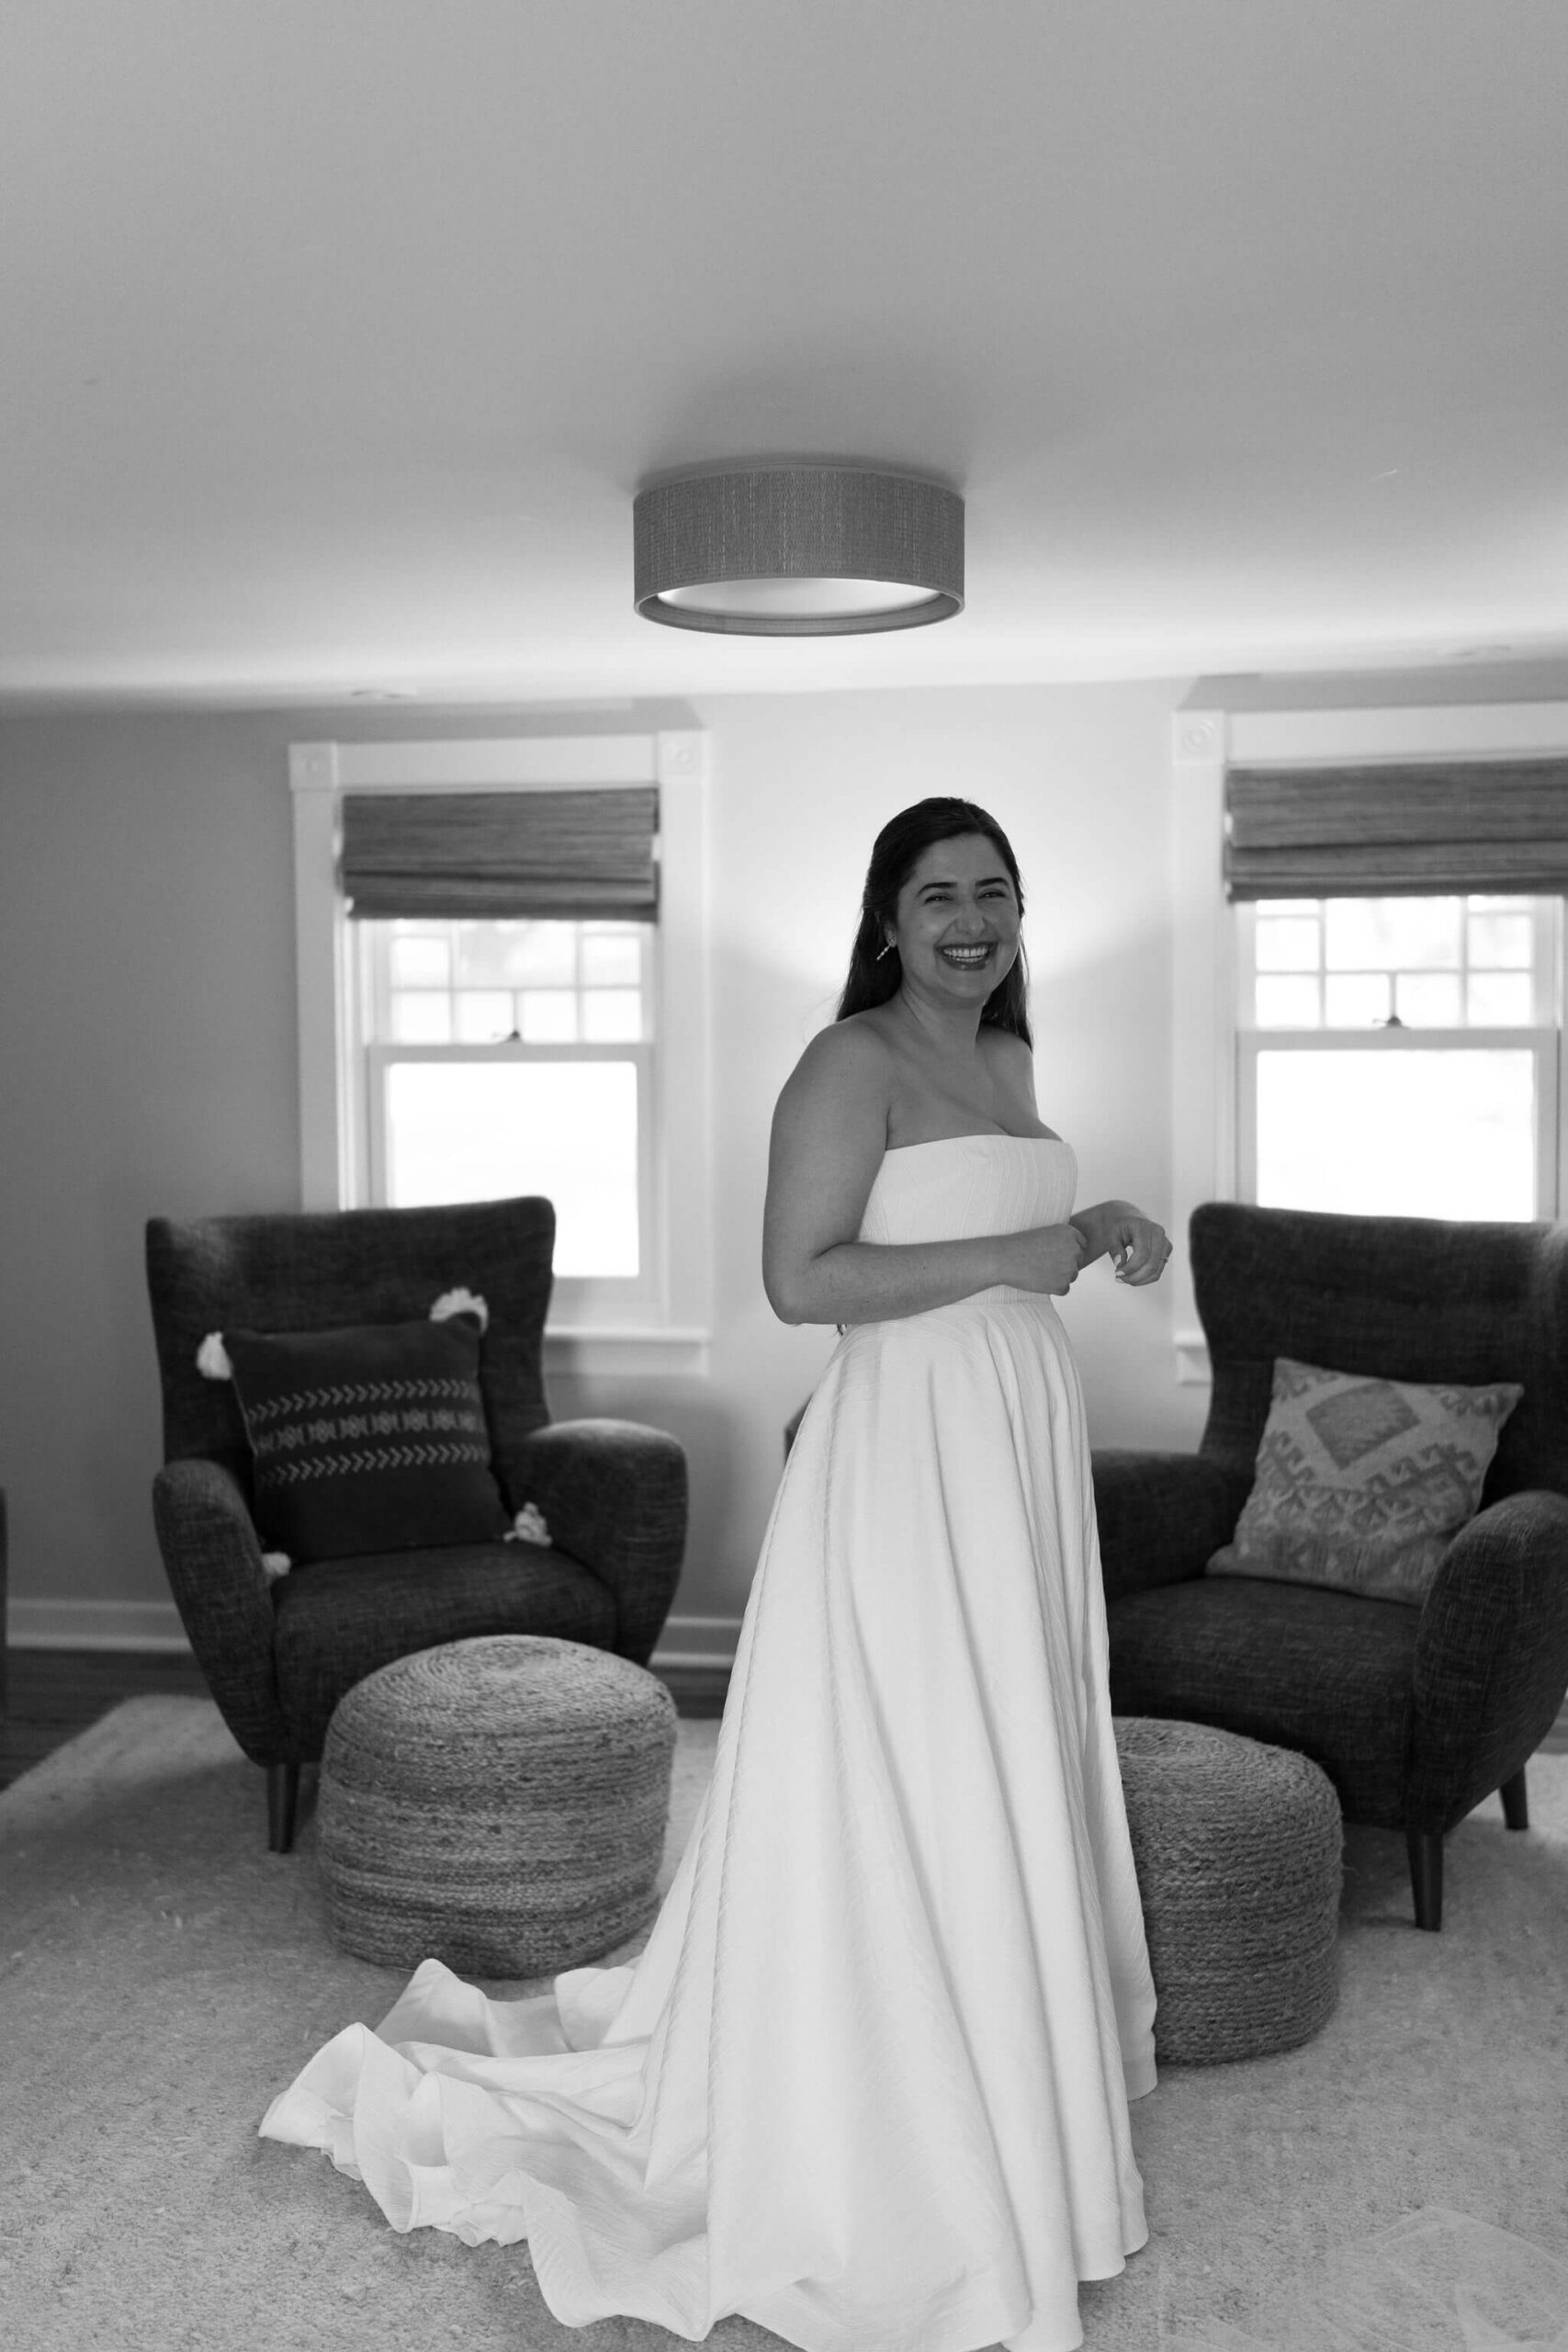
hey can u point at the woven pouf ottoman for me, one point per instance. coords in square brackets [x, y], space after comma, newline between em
[498, 1804]
[1238, 1849]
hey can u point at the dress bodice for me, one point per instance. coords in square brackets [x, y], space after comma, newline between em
[962, 1186]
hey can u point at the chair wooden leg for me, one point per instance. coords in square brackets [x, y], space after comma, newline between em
[1516, 1804]
[282, 1800]
[1424, 1848]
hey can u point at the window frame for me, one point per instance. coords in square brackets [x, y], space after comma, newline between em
[667, 1327]
[1205, 957]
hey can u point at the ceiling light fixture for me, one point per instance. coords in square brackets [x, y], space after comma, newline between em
[788, 550]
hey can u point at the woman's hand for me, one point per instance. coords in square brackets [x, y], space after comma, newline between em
[1136, 1246]
[1045, 1257]
[1140, 1250]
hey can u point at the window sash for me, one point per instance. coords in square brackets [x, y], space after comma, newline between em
[1546, 917]
[1542, 1044]
[377, 992]
[1542, 1039]
[570, 1294]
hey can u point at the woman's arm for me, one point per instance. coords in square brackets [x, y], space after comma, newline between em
[1139, 1246]
[829, 1134]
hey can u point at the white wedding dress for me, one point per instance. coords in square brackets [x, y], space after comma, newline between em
[867, 2082]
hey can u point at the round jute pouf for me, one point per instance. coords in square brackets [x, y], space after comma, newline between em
[1238, 1849]
[498, 1804]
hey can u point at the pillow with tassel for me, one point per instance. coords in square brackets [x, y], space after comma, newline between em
[367, 1438]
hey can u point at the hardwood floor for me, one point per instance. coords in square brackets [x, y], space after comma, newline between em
[54, 1694]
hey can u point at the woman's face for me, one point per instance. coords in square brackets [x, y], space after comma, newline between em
[958, 921]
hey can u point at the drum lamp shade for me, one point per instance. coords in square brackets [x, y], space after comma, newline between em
[798, 551]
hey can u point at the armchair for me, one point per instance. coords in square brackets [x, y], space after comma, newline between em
[278, 1653]
[1417, 1713]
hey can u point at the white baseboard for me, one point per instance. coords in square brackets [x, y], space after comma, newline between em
[95, 1625]
[697, 1641]
[156, 1626]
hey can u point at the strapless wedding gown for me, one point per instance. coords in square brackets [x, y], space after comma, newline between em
[867, 2082]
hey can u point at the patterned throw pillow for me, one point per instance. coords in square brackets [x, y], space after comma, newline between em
[367, 1439]
[1363, 1483]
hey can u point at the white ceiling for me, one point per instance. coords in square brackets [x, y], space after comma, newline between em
[337, 334]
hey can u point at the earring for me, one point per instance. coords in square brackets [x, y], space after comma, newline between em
[886, 951]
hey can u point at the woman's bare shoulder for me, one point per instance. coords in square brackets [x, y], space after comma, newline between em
[854, 1049]
[1008, 1054]
[847, 1065]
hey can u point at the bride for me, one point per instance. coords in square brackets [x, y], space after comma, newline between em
[867, 2082]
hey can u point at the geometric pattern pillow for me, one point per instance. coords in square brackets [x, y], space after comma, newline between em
[1363, 1483]
[369, 1438]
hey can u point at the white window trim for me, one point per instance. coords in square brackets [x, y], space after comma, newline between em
[1203, 971]
[673, 1335]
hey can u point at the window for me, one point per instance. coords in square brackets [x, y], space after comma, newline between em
[516, 1056]
[501, 1012]
[1397, 1034]
[1398, 1055]
[1332, 869]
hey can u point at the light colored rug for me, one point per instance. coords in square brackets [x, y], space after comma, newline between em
[162, 1976]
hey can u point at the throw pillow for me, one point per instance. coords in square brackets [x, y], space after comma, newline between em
[367, 1439]
[1364, 1483]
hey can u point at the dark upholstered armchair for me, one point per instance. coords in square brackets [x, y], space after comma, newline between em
[280, 1653]
[1416, 1713]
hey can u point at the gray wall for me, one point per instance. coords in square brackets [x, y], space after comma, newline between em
[146, 1064]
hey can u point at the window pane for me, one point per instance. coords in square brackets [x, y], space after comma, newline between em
[612, 1016]
[481, 1131]
[1285, 946]
[1507, 940]
[1446, 1132]
[1287, 1004]
[514, 954]
[420, 963]
[484, 1017]
[1427, 1000]
[612, 959]
[548, 1016]
[1355, 999]
[486, 952]
[1359, 935]
[421, 1019]
[1501, 1000]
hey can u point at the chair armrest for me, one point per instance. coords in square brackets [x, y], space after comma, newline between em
[614, 1494]
[212, 1555]
[1160, 1516]
[1491, 1662]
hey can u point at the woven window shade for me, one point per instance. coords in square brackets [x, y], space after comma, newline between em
[564, 856]
[1397, 831]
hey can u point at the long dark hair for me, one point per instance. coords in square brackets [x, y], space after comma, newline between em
[896, 851]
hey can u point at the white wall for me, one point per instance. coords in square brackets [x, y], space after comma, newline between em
[147, 1059]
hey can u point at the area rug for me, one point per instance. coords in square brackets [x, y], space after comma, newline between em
[162, 1976]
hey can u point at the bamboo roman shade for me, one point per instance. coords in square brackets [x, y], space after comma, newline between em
[1397, 831]
[564, 856]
